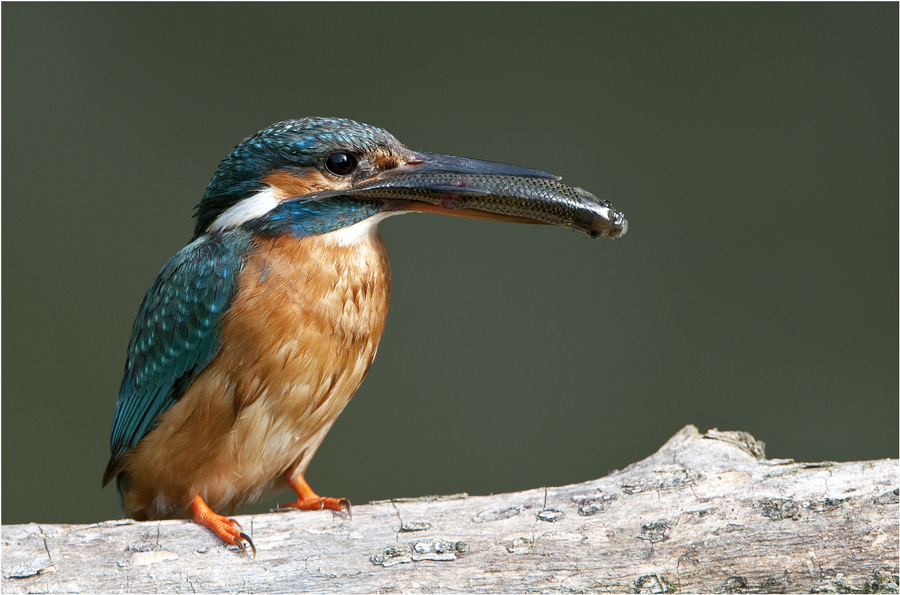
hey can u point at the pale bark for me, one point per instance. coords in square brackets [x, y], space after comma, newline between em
[707, 513]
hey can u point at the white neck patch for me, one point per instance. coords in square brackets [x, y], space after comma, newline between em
[245, 210]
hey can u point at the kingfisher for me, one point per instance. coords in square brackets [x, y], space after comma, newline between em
[254, 336]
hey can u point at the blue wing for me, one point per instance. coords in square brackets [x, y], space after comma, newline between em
[175, 335]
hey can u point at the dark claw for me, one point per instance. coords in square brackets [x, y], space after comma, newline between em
[345, 504]
[245, 537]
[236, 524]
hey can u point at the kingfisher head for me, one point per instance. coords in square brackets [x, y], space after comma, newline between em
[315, 175]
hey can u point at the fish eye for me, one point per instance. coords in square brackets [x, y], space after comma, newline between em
[340, 164]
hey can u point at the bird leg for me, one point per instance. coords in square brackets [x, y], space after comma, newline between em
[309, 500]
[228, 530]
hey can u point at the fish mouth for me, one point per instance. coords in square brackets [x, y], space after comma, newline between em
[465, 187]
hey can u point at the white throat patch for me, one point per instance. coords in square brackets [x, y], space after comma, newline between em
[362, 230]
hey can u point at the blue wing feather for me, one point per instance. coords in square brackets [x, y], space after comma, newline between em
[175, 334]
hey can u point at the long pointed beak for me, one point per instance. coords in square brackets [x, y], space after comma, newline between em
[422, 162]
[483, 189]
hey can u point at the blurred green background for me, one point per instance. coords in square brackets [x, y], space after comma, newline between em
[753, 148]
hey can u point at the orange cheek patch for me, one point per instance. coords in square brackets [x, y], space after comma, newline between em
[290, 185]
[383, 160]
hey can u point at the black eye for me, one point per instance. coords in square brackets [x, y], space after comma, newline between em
[340, 164]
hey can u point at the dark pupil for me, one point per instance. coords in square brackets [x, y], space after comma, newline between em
[340, 164]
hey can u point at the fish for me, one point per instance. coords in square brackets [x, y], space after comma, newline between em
[543, 199]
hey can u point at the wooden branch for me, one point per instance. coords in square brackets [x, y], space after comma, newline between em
[707, 513]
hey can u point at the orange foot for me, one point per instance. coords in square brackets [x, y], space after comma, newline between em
[228, 530]
[309, 500]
